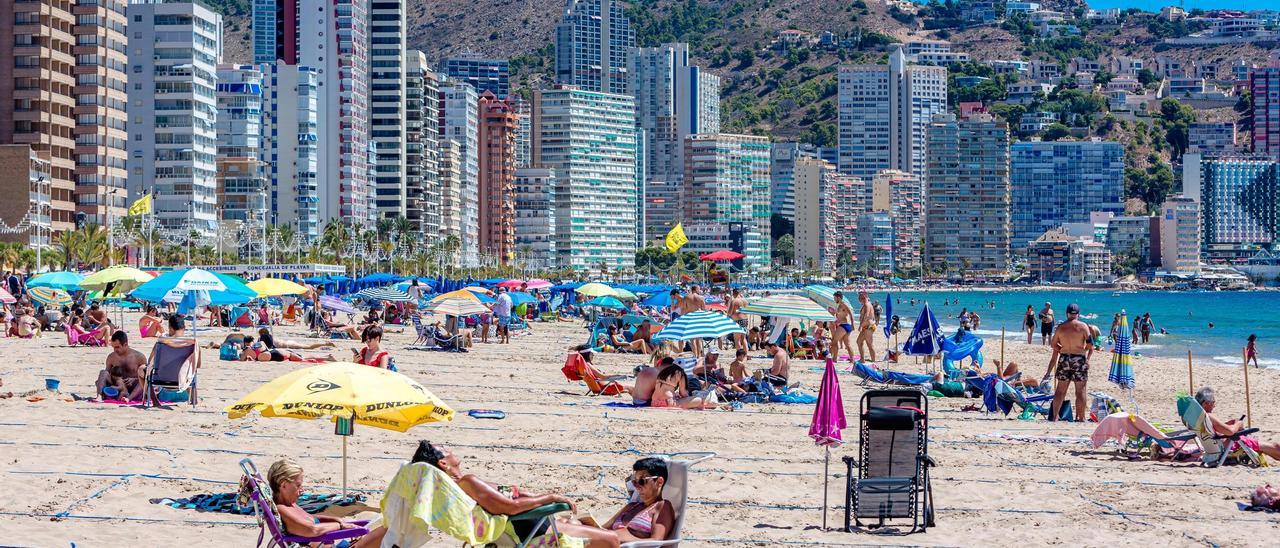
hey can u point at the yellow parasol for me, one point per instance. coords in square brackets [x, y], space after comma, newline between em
[275, 287]
[596, 289]
[126, 279]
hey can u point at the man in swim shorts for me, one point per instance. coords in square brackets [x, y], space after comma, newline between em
[1072, 347]
[843, 329]
[867, 321]
[1046, 323]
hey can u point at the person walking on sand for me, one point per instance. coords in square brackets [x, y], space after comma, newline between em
[1046, 323]
[1072, 347]
[867, 326]
[736, 302]
[844, 328]
[1029, 322]
[1251, 351]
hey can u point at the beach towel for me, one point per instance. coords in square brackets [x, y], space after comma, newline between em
[225, 503]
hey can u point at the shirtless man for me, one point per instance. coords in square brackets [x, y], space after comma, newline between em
[843, 329]
[736, 302]
[1046, 323]
[124, 371]
[777, 373]
[1072, 347]
[28, 326]
[695, 302]
[867, 326]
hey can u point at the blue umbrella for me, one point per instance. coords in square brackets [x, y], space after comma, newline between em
[520, 297]
[888, 314]
[699, 325]
[209, 288]
[926, 336]
[606, 301]
[235, 293]
[64, 280]
[659, 299]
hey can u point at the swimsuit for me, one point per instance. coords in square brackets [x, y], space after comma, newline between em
[1072, 367]
[847, 327]
[1046, 328]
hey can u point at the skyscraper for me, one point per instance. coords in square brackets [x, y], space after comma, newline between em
[422, 147]
[968, 213]
[290, 98]
[173, 112]
[460, 122]
[589, 139]
[1180, 234]
[498, 123]
[101, 97]
[450, 174]
[1264, 83]
[593, 40]
[726, 182]
[1062, 182]
[484, 74]
[826, 209]
[387, 110]
[900, 194]
[1238, 198]
[674, 99]
[535, 226]
[242, 181]
[333, 39]
[884, 112]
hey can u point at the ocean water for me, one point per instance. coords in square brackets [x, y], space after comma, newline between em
[1184, 315]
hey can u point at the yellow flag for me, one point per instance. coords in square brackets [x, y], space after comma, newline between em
[676, 238]
[141, 206]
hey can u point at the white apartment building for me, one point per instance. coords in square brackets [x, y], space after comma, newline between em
[387, 113]
[460, 122]
[291, 154]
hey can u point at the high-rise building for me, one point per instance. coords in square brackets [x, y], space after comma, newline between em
[1212, 137]
[782, 163]
[875, 243]
[1180, 235]
[173, 112]
[450, 176]
[726, 181]
[290, 123]
[827, 206]
[535, 223]
[484, 74]
[242, 181]
[884, 112]
[969, 214]
[1238, 197]
[593, 40]
[1062, 182]
[101, 94]
[524, 132]
[1264, 83]
[333, 39]
[662, 209]
[498, 123]
[422, 147]
[900, 194]
[674, 99]
[25, 173]
[460, 122]
[589, 139]
[388, 69]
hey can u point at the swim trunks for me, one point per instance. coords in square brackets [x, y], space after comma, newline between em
[1072, 367]
[742, 323]
[1046, 328]
[847, 327]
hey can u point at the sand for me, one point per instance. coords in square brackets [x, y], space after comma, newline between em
[99, 465]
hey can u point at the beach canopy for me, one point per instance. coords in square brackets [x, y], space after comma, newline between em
[699, 325]
[276, 287]
[926, 336]
[62, 279]
[124, 277]
[606, 302]
[386, 293]
[596, 289]
[478, 289]
[49, 296]
[722, 255]
[1121, 360]
[788, 306]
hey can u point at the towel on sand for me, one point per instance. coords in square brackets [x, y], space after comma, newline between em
[226, 502]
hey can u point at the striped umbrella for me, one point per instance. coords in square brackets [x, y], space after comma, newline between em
[49, 296]
[1121, 361]
[388, 293]
[6, 297]
[699, 325]
[789, 306]
[457, 307]
[821, 294]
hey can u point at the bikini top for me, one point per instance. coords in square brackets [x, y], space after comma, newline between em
[641, 524]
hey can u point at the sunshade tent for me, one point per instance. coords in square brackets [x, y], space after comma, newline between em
[512, 284]
[207, 287]
[388, 293]
[596, 289]
[463, 294]
[1121, 362]
[788, 306]
[699, 325]
[659, 299]
[62, 279]
[276, 287]
[369, 396]
[49, 296]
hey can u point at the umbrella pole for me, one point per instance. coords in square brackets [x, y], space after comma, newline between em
[344, 466]
[826, 477]
[1248, 405]
[1191, 382]
[1000, 370]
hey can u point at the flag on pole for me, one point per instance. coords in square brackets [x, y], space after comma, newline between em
[141, 206]
[676, 238]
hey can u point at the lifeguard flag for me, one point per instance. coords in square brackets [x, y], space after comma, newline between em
[676, 238]
[141, 206]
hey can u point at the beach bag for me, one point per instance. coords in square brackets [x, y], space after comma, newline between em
[229, 352]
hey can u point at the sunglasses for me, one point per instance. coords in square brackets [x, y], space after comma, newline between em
[644, 480]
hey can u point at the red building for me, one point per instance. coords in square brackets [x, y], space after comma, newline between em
[497, 190]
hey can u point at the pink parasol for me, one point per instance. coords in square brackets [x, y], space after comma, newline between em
[538, 283]
[511, 284]
[828, 421]
[6, 297]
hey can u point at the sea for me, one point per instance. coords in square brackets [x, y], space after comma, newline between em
[1214, 325]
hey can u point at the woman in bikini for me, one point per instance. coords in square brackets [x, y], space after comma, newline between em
[649, 518]
[265, 335]
[372, 354]
[672, 390]
[150, 324]
[285, 479]
[262, 351]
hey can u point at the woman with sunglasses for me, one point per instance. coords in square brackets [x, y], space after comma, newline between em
[647, 517]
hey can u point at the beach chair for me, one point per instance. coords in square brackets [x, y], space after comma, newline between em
[576, 368]
[77, 337]
[422, 498]
[890, 477]
[1216, 449]
[452, 343]
[798, 351]
[264, 508]
[676, 491]
[172, 365]
[423, 334]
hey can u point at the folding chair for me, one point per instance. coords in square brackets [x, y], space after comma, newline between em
[890, 477]
[269, 521]
[76, 337]
[576, 368]
[172, 367]
[418, 327]
[1216, 448]
[676, 491]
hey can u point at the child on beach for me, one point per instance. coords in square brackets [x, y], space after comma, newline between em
[1251, 351]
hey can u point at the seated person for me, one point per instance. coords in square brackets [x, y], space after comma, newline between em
[373, 317]
[644, 332]
[754, 338]
[150, 324]
[28, 326]
[97, 319]
[649, 518]
[493, 499]
[264, 315]
[637, 345]
[124, 374]
[372, 354]
[338, 327]
[285, 479]
[1206, 397]
[1011, 375]
[672, 390]
[738, 376]
[393, 315]
[777, 373]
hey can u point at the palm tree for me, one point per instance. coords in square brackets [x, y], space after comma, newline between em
[335, 238]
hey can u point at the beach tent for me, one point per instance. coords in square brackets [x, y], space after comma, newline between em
[926, 336]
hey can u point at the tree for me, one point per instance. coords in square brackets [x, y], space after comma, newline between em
[780, 226]
[745, 58]
[1146, 77]
[784, 253]
[1056, 131]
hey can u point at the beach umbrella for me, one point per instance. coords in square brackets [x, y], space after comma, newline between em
[461, 294]
[1121, 360]
[512, 284]
[49, 296]
[276, 287]
[6, 297]
[337, 305]
[624, 294]
[788, 306]
[606, 302]
[722, 255]
[822, 295]
[62, 279]
[365, 395]
[236, 292]
[596, 289]
[125, 279]
[828, 421]
[387, 293]
[926, 336]
[478, 289]
[173, 286]
[699, 325]
[457, 307]
[659, 299]
[519, 297]
[539, 284]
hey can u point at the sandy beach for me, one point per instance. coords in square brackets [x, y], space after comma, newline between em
[85, 473]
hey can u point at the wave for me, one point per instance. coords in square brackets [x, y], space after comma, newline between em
[1235, 361]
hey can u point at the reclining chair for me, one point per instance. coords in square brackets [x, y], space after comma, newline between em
[172, 365]
[269, 522]
[1216, 448]
[890, 477]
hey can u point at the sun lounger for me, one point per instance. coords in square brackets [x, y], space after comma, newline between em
[269, 521]
[1216, 449]
[576, 368]
[890, 477]
[676, 491]
[172, 365]
[77, 337]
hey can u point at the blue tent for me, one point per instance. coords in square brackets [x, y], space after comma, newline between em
[926, 336]
[519, 297]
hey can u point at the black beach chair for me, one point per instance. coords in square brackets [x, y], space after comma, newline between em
[890, 477]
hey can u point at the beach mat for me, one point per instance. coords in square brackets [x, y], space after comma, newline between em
[225, 503]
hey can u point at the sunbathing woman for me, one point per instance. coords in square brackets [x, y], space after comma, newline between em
[265, 335]
[649, 518]
[637, 345]
[150, 324]
[285, 479]
[261, 351]
[672, 390]
[338, 327]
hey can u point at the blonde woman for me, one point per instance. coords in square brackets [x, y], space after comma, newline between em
[285, 478]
